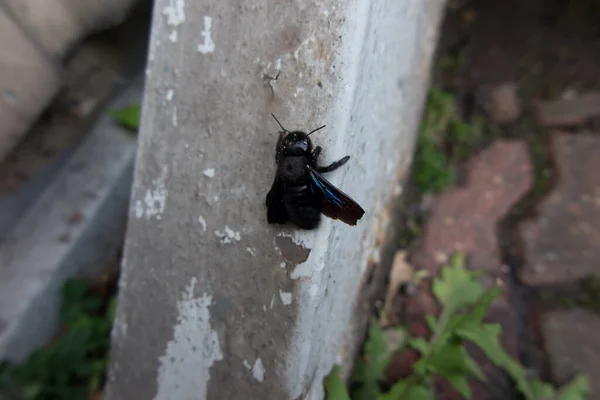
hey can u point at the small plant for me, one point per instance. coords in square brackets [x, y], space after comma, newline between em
[445, 139]
[464, 304]
[73, 366]
[128, 117]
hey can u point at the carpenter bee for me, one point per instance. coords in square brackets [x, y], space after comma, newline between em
[299, 193]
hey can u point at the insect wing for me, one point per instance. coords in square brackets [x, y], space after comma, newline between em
[335, 203]
[276, 212]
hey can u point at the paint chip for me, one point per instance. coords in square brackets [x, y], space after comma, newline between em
[170, 94]
[139, 209]
[286, 298]
[258, 370]
[173, 37]
[208, 46]
[175, 12]
[251, 251]
[247, 364]
[194, 348]
[229, 235]
[202, 222]
[155, 200]
[210, 172]
[174, 119]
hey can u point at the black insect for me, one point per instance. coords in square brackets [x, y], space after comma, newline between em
[300, 193]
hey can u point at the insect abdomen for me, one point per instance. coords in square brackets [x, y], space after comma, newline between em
[302, 208]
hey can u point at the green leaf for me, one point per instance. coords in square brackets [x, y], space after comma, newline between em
[461, 384]
[334, 386]
[419, 344]
[128, 117]
[74, 291]
[370, 368]
[475, 370]
[403, 391]
[542, 390]
[449, 360]
[431, 322]
[474, 317]
[578, 389]
[487, 338]
[456, 287]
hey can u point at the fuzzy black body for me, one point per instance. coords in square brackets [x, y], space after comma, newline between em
[299, 193]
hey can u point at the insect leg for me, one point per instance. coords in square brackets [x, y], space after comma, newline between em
[316, 152]
[334, 165]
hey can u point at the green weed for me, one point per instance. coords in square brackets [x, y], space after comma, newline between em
[444, 141]
[128, 117]
[464, 305]
[74, 365]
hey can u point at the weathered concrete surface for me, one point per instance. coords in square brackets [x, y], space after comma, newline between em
[28, 80]
[92, 79]
[74, 228]
[571, 339]
[563, 244]
[211, 304]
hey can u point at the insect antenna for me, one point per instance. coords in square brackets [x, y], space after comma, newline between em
[314, 130]
[279, 123]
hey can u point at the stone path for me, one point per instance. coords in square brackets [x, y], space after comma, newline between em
[561, 247]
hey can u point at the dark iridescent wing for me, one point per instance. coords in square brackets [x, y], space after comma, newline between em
[276, 212]
[335, 203]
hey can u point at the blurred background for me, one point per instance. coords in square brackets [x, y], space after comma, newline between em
[506, 170]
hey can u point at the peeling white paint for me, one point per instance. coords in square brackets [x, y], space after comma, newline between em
[258, 370]
[202, 222]
[139, 209]
[174, 117]
[170, 94]
[286, 298]
[185, 365]
[272, 302]
[175, 12]
[208, 46]
[251, 251]
[210, 172]
[173, 37]
[155, 199]
[282, 264]
[247, 365]
[216, 198]
[229, 235]
[303, 270]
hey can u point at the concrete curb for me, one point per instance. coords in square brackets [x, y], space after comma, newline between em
[74, 228]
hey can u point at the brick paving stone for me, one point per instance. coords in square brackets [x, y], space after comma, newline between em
[568, 112]
[466, 218]
[563, 243]
[571, 338]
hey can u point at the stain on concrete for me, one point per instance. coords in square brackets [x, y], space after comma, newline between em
[292, 252]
